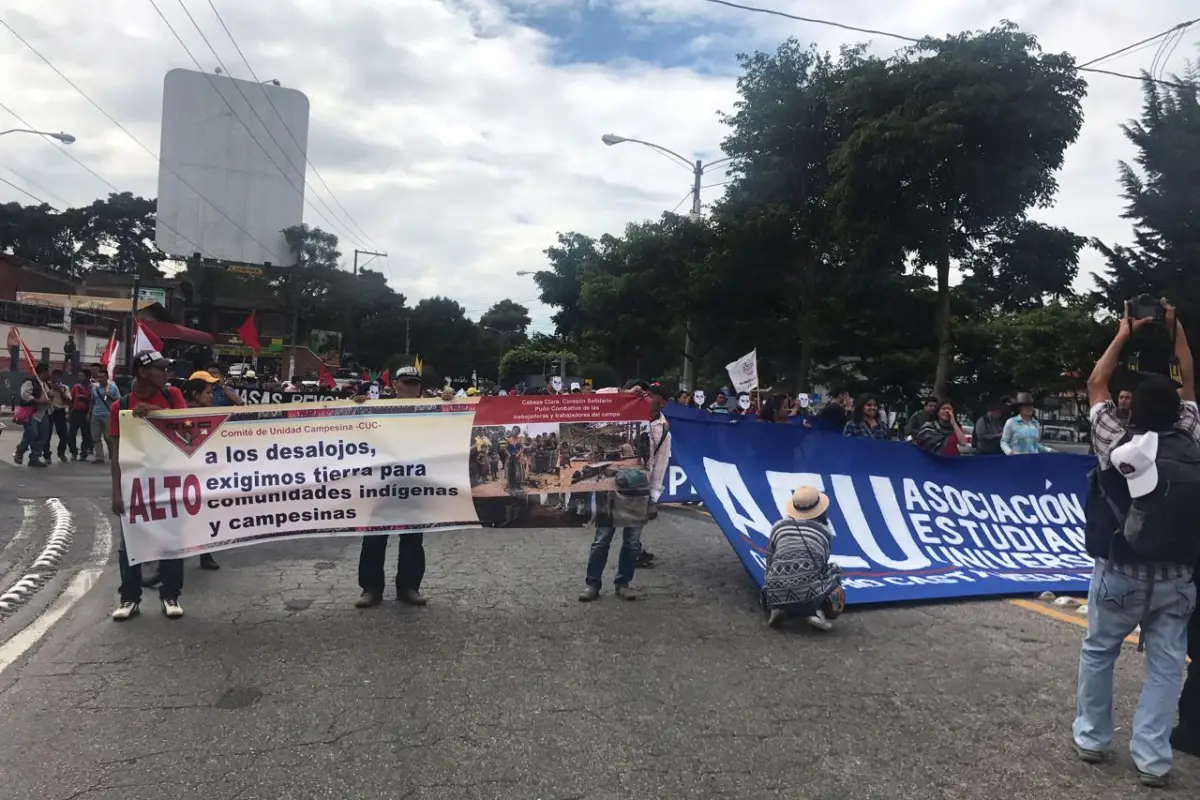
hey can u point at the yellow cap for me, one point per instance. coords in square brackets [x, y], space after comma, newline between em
[203, 376]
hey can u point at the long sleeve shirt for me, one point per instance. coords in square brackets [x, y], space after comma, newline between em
[987, 435]
[660, 454]
[1021, 438]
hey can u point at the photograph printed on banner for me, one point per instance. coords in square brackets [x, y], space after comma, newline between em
[538, 474]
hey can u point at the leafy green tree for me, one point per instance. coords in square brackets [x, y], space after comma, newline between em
[1161, 187]
[441, 334]
[953, 139]
[508, 318]
[531, 359]
[117, 235]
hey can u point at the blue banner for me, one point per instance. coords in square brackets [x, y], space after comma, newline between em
[907, 525]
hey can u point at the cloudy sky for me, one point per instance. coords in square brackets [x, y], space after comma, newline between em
[461, 135]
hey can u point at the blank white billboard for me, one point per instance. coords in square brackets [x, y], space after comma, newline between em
[219, 192]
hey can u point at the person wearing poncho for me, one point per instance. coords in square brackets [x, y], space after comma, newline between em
[800, 580]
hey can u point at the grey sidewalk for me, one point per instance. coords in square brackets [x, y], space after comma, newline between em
[275, 687]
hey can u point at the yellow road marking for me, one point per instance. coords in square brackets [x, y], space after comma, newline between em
[1063, 616]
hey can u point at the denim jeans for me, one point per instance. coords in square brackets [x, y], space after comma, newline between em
[34, 438]
[170, 574]
[410, 563]
[1117, 603]
[631, 547]
[1189, 700]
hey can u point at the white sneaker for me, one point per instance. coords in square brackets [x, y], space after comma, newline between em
[819, 622]
[171, 608]
[126, 611]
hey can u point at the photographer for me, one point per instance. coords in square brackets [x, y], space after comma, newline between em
[1146, 546]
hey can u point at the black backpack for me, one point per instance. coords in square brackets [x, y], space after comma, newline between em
[1161, 526]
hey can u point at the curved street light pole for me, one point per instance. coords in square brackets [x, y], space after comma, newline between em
[65, 138]
[698, 168]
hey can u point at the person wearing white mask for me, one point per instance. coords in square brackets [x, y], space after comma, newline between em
[743, 404]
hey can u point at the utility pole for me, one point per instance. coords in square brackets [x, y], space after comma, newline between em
[293, 279]
[133, 311]
[407, 333]
[353, 322]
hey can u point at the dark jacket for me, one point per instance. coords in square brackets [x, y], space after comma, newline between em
[986, 437]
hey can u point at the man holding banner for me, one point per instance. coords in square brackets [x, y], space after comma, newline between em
[410, 555]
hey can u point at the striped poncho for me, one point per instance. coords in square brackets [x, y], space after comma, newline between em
[799, 573]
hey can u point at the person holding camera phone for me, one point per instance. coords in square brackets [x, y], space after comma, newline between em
[1142, 503]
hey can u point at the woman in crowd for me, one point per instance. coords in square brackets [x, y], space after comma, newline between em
[774, 409]
[943, 435]
[684, 398]
[1022, 434]
[800, 580]
[866, 421]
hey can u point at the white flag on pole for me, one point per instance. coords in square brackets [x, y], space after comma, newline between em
[744, 372]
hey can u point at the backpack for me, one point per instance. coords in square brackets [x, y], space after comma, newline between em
[1161, 526]
[632, 481]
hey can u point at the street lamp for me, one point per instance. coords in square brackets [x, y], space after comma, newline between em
[698, 168]
[65, 138]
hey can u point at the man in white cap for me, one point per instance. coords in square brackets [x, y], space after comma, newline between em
[410, 555]
[1141, 531]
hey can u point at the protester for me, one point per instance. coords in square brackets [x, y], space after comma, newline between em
[942, 436]
[150, 392]
[410, 550]
[926, 414]
[989, 430]
[721, 404]
[1144, 563]
[743, 405]
[104, 394]
[1186, 736]
[800, 580]
[866, 422]
[36, 437]
[78, 422]
[60, 403]
[200, 391]
[772, 409]
[223, 395]
[633, 505]
[1124, 403]
[1023, 434]
[834, 414]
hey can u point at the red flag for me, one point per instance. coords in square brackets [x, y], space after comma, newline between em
[386, 377]
[108, 359]
[30, 361]
[326, 380]
[146, 340]
[366, 376]
[248, 333]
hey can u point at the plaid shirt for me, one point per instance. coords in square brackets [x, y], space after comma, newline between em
[1107, 427]
[863, 431]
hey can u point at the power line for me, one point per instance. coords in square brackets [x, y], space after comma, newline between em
[1181, 26]
[267, 95]
[298, 189]
[39, 200]
[92, 172]
[136, 140]
[37, 186]
[912, 40]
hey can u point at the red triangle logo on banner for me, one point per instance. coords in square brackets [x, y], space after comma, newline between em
[187, 433]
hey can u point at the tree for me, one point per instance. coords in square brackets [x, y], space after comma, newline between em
[955, 138]
[508, 318]
[117, 235]
[531, 359]
[441, 334]
[1162, 200]
[1020, 267]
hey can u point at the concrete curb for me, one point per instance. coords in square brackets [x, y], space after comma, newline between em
[47, 562]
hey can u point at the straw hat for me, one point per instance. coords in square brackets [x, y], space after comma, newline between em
[807, 503]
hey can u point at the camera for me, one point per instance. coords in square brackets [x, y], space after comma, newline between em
[1146, 307]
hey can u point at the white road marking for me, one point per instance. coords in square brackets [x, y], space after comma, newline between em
[46, 564]
[102, 540]
[32, 633]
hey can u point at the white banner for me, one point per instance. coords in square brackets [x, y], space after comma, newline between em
[744, 372]
[200, 480]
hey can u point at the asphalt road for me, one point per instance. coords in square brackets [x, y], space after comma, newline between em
[273, 686]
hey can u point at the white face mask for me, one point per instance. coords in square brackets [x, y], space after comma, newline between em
[744, 403]
[803, 400]
[698, 396]
[556, 384]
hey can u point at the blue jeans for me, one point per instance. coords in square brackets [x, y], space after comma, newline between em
[35, 438]
[631, 547]
[1116, 605]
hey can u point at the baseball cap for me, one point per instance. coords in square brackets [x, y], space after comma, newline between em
[408, 374]
[1135, 461]
[203, 376]
[575, 387]
[150, 358]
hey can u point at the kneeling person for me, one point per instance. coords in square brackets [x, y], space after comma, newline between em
[800, 580]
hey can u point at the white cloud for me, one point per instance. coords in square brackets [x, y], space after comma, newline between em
[459, 141]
